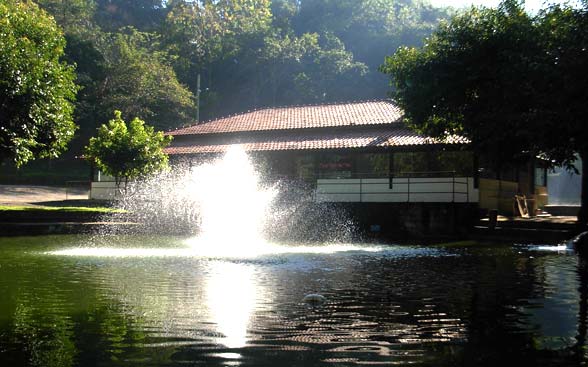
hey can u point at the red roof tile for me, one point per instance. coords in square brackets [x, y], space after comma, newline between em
[301, 117]
[374, 138]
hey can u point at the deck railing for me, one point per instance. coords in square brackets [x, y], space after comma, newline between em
[406, 187]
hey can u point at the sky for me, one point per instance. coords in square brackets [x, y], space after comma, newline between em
[531, 5]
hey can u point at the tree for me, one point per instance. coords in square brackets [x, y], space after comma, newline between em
[145, 15]
[125, 70]
[203, 35]
[73, 16]
[37, 89]
[370, 30]
[564, 36]
[301, 69]
[128, 153]
[140, 82]
[473, 78]
[248, 53]
[511, 83]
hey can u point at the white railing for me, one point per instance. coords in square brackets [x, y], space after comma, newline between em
[408, 189]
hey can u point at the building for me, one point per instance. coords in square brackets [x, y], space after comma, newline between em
[361, 152]
[348, 152]
[362, 155]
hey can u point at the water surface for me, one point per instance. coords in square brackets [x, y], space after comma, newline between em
[160, 301]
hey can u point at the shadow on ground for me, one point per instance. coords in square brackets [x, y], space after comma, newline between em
[76, 203]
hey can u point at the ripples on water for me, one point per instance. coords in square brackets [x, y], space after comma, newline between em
[160, 302]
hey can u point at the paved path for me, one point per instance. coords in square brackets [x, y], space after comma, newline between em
[36, 195]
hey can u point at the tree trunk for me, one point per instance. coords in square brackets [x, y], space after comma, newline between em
[583, 214]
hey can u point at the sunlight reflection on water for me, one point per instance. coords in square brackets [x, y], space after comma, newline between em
[213, 251]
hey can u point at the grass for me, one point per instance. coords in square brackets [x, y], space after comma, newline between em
[59, 209]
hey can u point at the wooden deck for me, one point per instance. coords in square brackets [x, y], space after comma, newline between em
[534, 229]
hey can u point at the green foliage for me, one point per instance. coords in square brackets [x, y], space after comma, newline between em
[564, 36]
[36, 88]
[143, 56]
[203, 35]
[515, 85]
[283, 11]
[140, 82]
[305, 68]
[145, 15]
[73, 16]
[128, 153]
[125, 69]
[249, 53]
[502, 78]
[474, 78]
[370, 30]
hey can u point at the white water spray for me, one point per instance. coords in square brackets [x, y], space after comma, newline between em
[224, 199]
[233, 205]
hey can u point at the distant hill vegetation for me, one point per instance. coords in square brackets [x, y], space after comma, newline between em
[145, 57]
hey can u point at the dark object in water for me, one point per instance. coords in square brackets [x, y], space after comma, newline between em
[580, 243]
[314, 299]
[492, 218]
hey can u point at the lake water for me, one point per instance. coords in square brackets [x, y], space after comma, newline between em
[158, 301]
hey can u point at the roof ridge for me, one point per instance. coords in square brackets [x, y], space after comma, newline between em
[318, 104]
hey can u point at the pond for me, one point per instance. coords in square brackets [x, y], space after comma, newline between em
[156, 301]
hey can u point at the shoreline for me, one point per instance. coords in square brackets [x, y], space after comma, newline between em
[478, 233]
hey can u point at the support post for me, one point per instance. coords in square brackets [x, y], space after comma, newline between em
[198, 99]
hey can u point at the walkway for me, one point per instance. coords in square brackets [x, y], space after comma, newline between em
[37, 195]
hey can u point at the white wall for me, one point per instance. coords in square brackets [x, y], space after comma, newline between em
[417, 190]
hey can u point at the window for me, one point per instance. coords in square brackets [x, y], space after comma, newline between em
[434, 162]
[305, 168]
[335, 166]
[372, 165]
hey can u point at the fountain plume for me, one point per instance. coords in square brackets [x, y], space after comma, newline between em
[223, 202]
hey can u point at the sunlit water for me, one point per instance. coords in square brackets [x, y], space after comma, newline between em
[164, 304]
[197, 248]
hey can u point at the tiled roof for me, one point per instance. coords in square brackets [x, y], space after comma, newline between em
[301, 117]
[374, 138]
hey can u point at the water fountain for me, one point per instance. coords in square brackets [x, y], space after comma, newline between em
[232, 214]
[229, 212]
